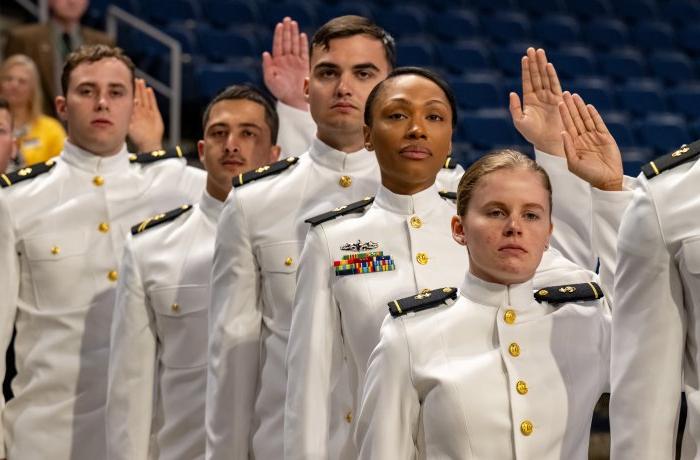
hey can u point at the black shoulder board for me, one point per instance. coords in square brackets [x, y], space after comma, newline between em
[570, 293]
[28, 172]
[264, 171]
[160, 219]
[341, 211]
[450, 163]
[673, 159]
[422, 301]
[448, 195]
[156, 155]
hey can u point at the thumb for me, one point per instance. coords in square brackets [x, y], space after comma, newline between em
[516, 109]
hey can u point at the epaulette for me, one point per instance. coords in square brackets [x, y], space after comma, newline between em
[156, 155]
[422, 301]
[264, 171]
[160, 219]
[448, 195]
[28, 172]
[570, 293]
[450, 163]
[340, 211]
[671, 160]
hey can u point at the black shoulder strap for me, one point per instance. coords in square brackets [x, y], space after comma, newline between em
[450, 163]
[28, 172]
[264, 171]
[673, 159]
[570, 293]
[159, 219]
[156, 155]
[340, 211]
[421, 301]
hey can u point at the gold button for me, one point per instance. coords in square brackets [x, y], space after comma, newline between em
[175, 307]
[288, 261]
[526, 427]
[514, 350]
[422, 258]
[521, 387]
[345, 181]
[113, 275]
[509, 316]
[416, 222]
[348, 417]
[98, 180]
[103, 227]
[55, 250]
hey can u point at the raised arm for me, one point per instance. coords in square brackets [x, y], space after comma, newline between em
[146, 127]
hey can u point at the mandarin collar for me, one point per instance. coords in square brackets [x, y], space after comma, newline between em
[518, 297]
[210, 206]
[336, 160]
[88, 161]
[422, 202]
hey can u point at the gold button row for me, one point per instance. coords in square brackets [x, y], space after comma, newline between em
[514, 350]
[345, 181]
[526, 427]
[416, 222]
[422, 258]
[509, 316]
[98, 181]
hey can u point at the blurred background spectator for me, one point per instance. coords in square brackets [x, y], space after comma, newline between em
[40, 136]
[8, 146]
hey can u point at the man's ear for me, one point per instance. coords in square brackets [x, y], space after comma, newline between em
[367, 132]
[306, 89]
[458, 231]
[275, 152]
[200, 150]
[61, 108]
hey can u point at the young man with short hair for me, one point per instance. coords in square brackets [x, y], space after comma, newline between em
[67, 223]
[157, 370]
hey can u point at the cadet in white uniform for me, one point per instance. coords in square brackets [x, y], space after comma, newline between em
[500, 373]
[157, 371]
[404, 234]
[655, 327]
[67, 223]
[261, 233]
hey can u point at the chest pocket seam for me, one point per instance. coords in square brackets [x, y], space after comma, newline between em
[54, 246]
[188, 298]
[691, 255]
[273, 257]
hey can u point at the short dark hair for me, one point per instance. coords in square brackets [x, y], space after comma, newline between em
[4, 105]
[90, 54]
[249, 93]
[350, 25]
[421, 72]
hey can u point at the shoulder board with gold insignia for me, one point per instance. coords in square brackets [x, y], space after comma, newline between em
[448, 195]
[570, 293]
[357, 206]
[28, 172]
[673, 159]
[156, 155]
[450, 163]
[422, 301]
[264, 171]
[160, 219]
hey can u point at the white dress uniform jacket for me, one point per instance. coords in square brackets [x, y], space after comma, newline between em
[495, 375]
[259, 240]
[655, 318]
[157, 366]
[336, 316]
[296, 130]
[66, 232]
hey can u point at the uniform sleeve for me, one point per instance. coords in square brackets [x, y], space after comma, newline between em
[296, 130]
[192, 183]
[132, 363]
[647, 338]
[571, 211]
[9, 289]
[387, 425]
[314, 355]
[235, 318]
[608, 208]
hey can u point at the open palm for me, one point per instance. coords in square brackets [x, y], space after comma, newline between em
[287, 67]
[538, 118]
[591, 151]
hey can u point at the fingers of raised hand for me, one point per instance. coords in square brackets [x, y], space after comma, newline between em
[583, 112]
[542, 69]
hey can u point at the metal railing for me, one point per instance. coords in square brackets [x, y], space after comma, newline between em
[39, 10]
[173, 92]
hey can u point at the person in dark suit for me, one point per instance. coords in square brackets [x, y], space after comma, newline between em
[49, 43]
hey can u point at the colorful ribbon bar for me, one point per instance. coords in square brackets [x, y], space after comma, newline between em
[364, 262]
